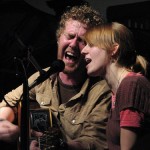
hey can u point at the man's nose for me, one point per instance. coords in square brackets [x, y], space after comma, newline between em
[74, 43]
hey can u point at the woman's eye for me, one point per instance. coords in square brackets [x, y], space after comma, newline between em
[82, 41]
[90, 44]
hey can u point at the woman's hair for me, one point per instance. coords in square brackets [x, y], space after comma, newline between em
[107, 35]
[84, 14]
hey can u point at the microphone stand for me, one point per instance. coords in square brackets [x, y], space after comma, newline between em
[24, 135]
[25, 123]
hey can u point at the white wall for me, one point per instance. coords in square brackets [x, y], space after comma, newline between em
[102, 5]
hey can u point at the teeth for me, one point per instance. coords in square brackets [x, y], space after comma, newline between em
[70, 55]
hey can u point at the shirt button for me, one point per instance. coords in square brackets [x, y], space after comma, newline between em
[73, 121]
[42, 103]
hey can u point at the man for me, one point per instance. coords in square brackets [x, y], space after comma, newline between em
[81, 104]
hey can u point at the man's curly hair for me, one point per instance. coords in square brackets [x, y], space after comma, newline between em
[84, 14]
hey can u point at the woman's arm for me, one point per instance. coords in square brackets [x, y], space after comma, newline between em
[128, 138]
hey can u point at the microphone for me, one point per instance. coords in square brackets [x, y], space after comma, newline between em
[56, 66]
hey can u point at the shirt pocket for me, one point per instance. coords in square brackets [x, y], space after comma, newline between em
[43, 99]
[72, 124]
[74, 118]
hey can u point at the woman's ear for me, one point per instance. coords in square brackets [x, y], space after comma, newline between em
[115, 49]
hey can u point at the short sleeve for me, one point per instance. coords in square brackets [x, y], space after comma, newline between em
[131, 118]
[134, 92]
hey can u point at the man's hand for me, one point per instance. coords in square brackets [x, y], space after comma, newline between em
[36, 133]
[8, 131]
[34, 145]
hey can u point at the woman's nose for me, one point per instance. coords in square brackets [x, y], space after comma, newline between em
[83, 52]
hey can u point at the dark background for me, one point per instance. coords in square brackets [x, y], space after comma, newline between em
[26, 27]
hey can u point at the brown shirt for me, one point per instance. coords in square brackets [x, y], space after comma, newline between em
[83, 118]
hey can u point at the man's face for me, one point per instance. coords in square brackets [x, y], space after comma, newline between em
[70, 44]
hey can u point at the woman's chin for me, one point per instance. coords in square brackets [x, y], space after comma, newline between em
[92, 74]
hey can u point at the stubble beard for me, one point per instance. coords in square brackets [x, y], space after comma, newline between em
[76, 69]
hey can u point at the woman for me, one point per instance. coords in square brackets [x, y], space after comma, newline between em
[110, 53]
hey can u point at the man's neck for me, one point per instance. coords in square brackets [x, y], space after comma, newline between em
[72, 79]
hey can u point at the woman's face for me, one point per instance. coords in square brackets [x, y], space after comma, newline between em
[96, 60]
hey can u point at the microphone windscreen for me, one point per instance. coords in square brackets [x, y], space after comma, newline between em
[58, 65]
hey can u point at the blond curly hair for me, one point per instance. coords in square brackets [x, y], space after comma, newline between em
[84, 14]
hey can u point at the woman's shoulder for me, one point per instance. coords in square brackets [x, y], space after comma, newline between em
[134, 79]
[134, 91]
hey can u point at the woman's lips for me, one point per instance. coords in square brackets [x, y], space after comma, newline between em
[87, 60]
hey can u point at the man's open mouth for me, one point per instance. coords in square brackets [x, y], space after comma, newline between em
[70, 55]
